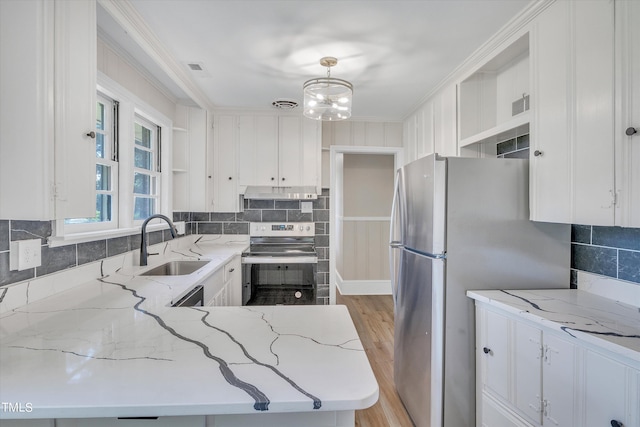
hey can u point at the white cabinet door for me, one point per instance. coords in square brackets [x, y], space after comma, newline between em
[559, 382]
[495, 354]
[494, 415]
[225, 188]
[527, 360]
[233, 281]
[628, 106]
[606, 387]
[445, 122]
[48, 85]
[299, 147]
[257, 150]
[572, 163]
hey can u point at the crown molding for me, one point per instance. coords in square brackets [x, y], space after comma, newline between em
[130, 20]
[129, 59]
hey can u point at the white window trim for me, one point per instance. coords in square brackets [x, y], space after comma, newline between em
[130, 105]
[104, 225]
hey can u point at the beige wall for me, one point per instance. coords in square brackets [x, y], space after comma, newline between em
[368, 193]
[368, 185]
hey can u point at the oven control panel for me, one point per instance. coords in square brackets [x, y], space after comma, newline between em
[284, 229]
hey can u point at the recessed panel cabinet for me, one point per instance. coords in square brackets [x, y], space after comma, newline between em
[585, 77]
[529, 375]
[278, 151]
[627, 127]
[47, 109]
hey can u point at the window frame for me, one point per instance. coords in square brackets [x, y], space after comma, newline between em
[129, 106]
[110, 139]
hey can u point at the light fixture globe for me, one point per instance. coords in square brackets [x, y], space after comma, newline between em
[327, 98]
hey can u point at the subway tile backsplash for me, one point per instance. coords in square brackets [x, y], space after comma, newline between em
[269, 211]
[61, 257]
[608, 251]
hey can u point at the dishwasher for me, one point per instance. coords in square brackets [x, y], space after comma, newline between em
[194, 298]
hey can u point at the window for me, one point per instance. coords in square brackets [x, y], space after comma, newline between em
[146, 171]
[106, 171]
[132, 174]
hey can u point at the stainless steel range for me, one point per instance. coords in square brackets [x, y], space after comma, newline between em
[280, 267]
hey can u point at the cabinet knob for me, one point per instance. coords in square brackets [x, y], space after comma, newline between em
[230, 178]
[273, 179]
[91, 135]
[537, 153]
[283, 179]
[486, 350]
[615, 423]
[630, 131]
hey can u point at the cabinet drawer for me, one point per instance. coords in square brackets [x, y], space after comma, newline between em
[494, 415]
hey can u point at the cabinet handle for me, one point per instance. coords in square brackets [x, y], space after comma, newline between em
[91, 135]
[232, 270]
[615, 423]
[630, 131]
[537, 153]
[486, 350]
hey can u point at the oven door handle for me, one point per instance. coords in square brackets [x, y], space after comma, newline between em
[279, 259]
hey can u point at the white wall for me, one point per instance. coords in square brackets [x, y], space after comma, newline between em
[121, 71]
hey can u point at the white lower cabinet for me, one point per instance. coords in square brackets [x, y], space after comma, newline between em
[224, 287]
[531, 376]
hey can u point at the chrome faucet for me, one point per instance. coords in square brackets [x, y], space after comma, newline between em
[143, 241]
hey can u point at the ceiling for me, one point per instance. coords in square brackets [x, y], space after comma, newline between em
[255, 51]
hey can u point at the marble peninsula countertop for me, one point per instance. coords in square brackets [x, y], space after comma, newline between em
[602, 322]
[112, 347]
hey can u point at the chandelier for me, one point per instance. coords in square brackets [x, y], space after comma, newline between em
[327, 98]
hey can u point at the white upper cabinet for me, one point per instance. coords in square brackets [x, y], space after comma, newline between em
[258, 150]
[47, 109]
[278, 151]
[225, 161]
[433, 127]
[572, 150]
[628, 113]
[191, 179]
[299, 146]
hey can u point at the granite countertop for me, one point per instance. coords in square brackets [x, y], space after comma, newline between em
[112, 347]
[602, 322]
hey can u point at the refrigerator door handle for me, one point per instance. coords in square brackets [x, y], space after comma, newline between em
[397, 213]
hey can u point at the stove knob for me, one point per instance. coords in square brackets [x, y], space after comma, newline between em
[301, 228]
[308, 228]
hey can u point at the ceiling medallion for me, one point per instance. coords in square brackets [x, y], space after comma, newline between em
[327, 98]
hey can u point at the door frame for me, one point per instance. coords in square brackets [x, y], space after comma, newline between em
[335, 203]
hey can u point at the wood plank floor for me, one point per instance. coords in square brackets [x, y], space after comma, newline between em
[373, 318]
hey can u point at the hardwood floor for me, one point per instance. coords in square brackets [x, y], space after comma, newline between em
[373, 318]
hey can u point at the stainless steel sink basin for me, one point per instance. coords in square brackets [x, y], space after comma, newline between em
[175, 268]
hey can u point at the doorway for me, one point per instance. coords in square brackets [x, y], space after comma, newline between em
[362, 184]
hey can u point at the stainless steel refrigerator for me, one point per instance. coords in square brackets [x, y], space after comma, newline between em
[459, 224]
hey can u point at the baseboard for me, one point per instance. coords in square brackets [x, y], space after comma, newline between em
[363, 287]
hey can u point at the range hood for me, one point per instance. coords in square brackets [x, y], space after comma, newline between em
[258, 192]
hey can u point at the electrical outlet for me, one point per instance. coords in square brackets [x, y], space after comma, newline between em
[25, 254]
[306, 207]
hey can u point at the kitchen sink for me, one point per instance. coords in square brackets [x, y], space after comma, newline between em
[175, 268]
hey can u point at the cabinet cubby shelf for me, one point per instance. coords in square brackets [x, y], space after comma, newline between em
[517, 126]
